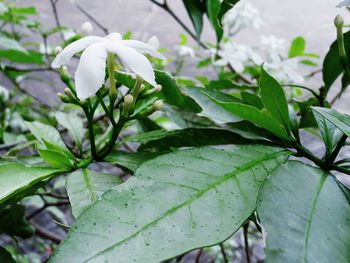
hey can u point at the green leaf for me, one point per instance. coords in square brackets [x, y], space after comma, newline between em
[74, 125]
[6, 256]
[274, 99]
[332, 68]
[209, 108]
[305, 215]
[85, 186]
[130, 161]
[172, 93]
[13, 222]
[45, 132]
[213, 9]
[25, 10]
[252, 99]
[31, 57]
[195, 10]
[16, 178]
[226, 5]
[341, 121]
[163, 211]
[11, 44]
[330, 133]
[261, 118]
[297, 47]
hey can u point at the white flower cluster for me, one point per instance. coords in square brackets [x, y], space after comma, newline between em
[243, 15]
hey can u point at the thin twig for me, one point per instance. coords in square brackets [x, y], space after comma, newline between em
[91, 17]
[223, 252]
[46, 234]
[55, 14]
[198, 257]
[246, 241]
[46, 205]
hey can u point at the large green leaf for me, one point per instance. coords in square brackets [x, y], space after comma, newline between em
[274, 99]
[209, 108]
[175, 203]
[305, 215]
[213, 9]
[341, 121]
[332, 68]
[195, 10]
[85, 186]
[261, 118]
[16, 178]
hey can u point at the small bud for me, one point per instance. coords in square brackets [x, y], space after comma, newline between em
[60, 96]
[128, 99]
[154, 42]
[128, 105]
[156, 89]
[67, 91]
[82, 102]
[86, 28]
[338, 21]
[57, 50]
[158, 105]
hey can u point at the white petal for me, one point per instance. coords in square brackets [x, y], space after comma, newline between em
[134, 60]
[154, 42]
[114, 37]
[90, 74]
[68, 52]
[143, 47]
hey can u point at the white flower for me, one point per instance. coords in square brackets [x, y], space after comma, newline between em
[286, 71]
[185, 51]
[86, 28]
[4, 93]
[274, 43]
[154, 42]
[242, 15]
[344, 3]
[90, 74]
[237, 56]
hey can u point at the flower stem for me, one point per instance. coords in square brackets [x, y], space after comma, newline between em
[112, 87]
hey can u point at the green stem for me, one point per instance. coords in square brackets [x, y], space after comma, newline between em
[90, 123]
[112, 83]
[333, 156]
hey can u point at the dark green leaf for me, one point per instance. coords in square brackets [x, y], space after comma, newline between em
[305, 216]
[6, 256]
[213, 8]
[195, 10]
[85, 186]
[274, 99]
[226, 5]
[163, 211]
[252, 99]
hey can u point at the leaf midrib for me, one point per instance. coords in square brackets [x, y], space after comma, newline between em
[195, 197]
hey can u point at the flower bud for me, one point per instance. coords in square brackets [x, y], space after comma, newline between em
[62, 97]
[158, 105]
[128, 105]
[338, 21]
[156, 89]
[82, 102]
[57, 50]
[154, 42]
[86, 28]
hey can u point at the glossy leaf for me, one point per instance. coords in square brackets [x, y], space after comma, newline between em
[332, 68]
[341, 121]
[195, 10]
[17, 178]
[172, 93]
[85, 186]
[163, 211]
[210, 109]
[305, 215]
[261, 118]
[74, 125]
[226, 5]
[274, 99]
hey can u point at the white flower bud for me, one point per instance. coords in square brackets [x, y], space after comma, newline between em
[154, 42]
[57, 50]
[158, 105]
[338, 21]
[86, 28]
[128, 100]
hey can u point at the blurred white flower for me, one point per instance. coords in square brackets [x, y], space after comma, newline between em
[274, 43]
[86, 28]
[57, 50]
[185, 51]
[237, 56]
[4, 93]
[344, 3]
[242, 15]
[3, 8]
[154, 42]
[90, 74]
[286, 71]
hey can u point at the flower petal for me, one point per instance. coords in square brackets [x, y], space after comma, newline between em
[114, 36]
[154, 42]
[143, 47]
[68, 52]
[90, 74]
[134, 60]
